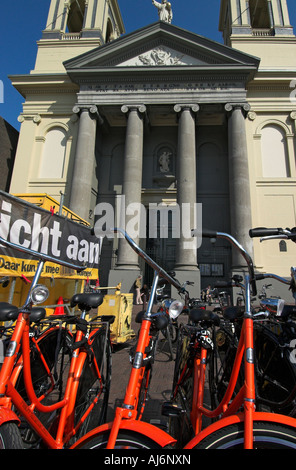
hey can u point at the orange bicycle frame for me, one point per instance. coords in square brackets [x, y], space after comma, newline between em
[9, 394]
[126, 415]
[246, 395]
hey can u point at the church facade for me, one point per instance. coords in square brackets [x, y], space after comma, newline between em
[161, 130]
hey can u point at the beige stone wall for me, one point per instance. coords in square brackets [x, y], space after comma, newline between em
[271, 131]
[271, 149]
[46, 111]
[49, 97]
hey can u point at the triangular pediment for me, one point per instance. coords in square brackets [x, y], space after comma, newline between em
[157, 45]
[162, 55]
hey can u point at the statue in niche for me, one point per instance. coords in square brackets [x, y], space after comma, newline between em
[165, 12]
[164, 162]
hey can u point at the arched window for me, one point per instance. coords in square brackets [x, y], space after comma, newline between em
[76, 16]
[53, 157]
[259, 14]
[109, 32]
[274, 152]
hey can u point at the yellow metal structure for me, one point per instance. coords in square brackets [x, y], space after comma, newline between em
[121, 306]
[50, 204]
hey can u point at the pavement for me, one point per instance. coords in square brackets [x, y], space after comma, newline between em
[161, 381]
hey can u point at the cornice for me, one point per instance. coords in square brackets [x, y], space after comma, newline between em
[43, 83]
[168, 73]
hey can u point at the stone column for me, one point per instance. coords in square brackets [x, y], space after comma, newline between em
[132, 180]
[240, 198]
[186, 181]
[186, 248]
[84, 160]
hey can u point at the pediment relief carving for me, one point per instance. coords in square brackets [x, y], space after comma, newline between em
[159, 56]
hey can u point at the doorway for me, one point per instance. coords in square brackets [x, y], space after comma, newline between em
[161, 242]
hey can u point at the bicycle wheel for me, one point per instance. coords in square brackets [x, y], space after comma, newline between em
[221, 362]
[10, 437]
[91, 385]
[172, 330]
[275, 372]
[180, 426]
[55, 347]
[266, 436]
[143, 393]
[125, 440]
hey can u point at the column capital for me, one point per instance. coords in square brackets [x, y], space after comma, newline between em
[91, 109]
[244, 106]
[194, 107]
[126, 108]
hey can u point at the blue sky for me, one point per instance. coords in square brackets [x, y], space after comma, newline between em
[22, 22]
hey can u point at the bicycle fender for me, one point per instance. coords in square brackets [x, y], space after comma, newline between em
[223, 422]
[7, 415]
[155, 434]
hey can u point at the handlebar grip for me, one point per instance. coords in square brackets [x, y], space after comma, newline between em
[259, 277]
[264, 232]
[205, 233]
[220, 284]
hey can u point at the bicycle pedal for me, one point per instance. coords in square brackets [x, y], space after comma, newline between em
[171, 410]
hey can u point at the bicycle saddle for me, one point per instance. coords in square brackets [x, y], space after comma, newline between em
[87, 301]
[232, 313]
[37, 314]
[8, 311]
[197, 315]
[159, 320]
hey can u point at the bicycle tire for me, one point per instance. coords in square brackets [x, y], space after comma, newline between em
[144, 391]
[275, 373]
[125, 440]
[89, 384]
[180, 426]
[173, 332]
[266, 436]
[182, 355]
[58, 358]
[47, 342]
[221, 361]
[10, 437]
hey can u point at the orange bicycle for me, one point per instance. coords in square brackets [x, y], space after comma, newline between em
[127, 430]
[34, 379]
[239, 424]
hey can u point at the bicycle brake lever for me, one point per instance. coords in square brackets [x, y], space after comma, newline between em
[274, 237]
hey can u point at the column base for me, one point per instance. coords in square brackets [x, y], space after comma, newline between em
[127, 278]
[188, 275]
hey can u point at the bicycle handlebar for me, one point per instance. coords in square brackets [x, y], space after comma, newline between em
[41, 256]
[271, 233]
[256, 232]
[273, 276]
[213, 234]
[162, 273]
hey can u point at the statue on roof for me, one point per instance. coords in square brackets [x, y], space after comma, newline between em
[165, 12]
